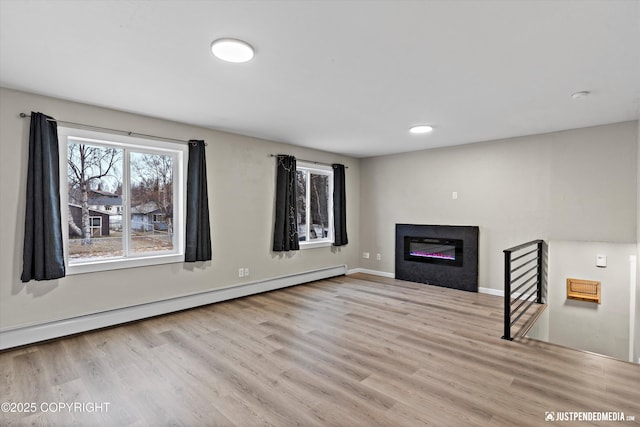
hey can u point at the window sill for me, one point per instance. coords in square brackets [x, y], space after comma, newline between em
[122, 263]
[311, 245]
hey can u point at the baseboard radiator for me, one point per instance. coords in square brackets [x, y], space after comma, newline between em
[18, 336]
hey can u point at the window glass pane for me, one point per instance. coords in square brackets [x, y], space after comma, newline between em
[301, 204]
[319, 189]
[94, 181]
[151, 202]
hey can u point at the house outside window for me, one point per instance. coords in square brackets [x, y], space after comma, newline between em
[314, 205]
[125, 200]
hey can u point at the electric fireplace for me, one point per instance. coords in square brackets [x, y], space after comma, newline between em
[441, 255]
[433, 250]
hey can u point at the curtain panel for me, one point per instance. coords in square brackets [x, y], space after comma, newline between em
[43, 251]
[198, 237]
[285, 230]
[339, 206]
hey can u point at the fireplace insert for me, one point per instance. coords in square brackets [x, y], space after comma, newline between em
[433, 250]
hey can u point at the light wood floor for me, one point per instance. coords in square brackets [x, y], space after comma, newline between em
[351, 351]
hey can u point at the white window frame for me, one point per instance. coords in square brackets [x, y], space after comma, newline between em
[180, 151]
[317, 169]
[91, 226]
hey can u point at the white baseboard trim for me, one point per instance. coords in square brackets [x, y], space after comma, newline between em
[14, 337]
[491, 291]
[373, 272]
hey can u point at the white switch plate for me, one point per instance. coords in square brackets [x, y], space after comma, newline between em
[365, 255]
[454, 195]
[601, 260]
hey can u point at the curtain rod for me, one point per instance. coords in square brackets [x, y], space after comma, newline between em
[309, 161]
[129, 133]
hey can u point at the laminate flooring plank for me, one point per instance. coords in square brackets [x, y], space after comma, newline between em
[268, 371]
[412, 415]
[369, 357]
[428, 405]
[246, 385]
[30, 381]
[351, 407]
[308, 357]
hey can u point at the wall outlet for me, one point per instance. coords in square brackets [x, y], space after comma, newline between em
[241, 272]
[365, 255]
[246, 272]
[378, 257]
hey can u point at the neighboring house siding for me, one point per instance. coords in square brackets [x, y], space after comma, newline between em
[140, 221]
[142, 217]
[105, 202]
[76, 213]
[146, 221]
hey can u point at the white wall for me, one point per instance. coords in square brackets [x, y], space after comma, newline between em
[241, 180]
[600, 328]
[573, 185]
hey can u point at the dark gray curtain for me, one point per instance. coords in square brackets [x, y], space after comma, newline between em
[198, 238]
[339, 206]
[285, 231]
[43, 255]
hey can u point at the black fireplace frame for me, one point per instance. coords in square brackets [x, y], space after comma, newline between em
[463, 277]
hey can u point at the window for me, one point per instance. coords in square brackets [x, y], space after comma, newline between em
[314, 205]
[124, 199]
[95, 226]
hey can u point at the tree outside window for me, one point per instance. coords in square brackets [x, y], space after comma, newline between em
[314, 188]
[120, 201]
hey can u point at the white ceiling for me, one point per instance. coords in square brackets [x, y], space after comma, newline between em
[343, 76]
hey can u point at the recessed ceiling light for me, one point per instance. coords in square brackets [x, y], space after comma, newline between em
[232, 50]
[421, 129]
[580, 95]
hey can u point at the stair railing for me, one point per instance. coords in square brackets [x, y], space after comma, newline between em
[523, 281]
